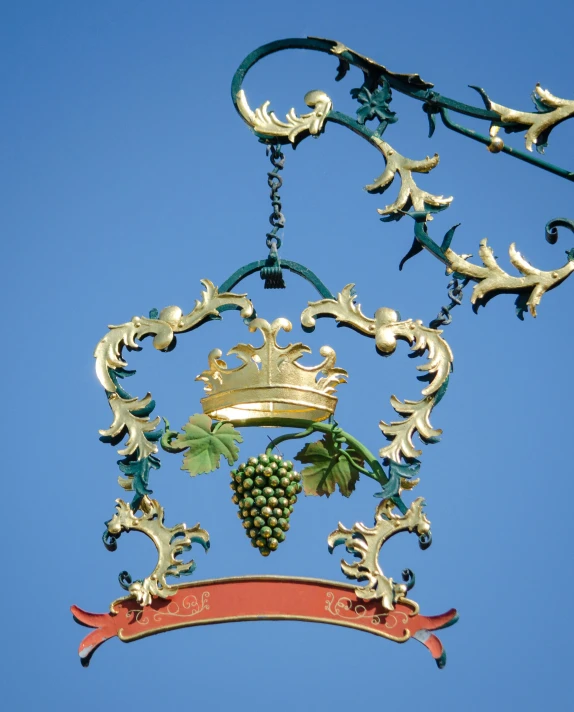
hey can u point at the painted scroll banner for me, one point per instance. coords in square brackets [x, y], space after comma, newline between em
[254, 598]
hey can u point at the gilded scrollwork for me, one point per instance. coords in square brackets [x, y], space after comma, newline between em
[387, 328]
[492, 279]
[126, 419]
[366, 542]
[131, 415]
[265, 123]
[169, 542]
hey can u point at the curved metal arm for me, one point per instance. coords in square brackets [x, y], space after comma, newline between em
[550, 110]
[254, 267]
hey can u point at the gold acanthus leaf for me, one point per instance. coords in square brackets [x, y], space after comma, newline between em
[409, 194]
[401, 432]
[366, 543]
[386, 329]
[265, 123]
[169, 542]
[540, 123]
[171, 321]
[126, 420]
[492, 278]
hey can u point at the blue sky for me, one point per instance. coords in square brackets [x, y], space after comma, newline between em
[126, 178]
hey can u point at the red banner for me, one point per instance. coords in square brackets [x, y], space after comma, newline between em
[262, 598]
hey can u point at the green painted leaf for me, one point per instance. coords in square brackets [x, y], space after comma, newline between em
[328, 467]
[205, 446]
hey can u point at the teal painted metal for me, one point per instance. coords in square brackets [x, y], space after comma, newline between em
[552, 229]
[254, 267]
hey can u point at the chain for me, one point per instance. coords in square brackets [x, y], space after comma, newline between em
[455, 294]
[272, 273]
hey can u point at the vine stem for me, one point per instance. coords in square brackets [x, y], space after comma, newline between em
[377, 474]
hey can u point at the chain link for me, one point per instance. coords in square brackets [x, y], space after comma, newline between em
[275, 181]
[455, 293]
[272, 273]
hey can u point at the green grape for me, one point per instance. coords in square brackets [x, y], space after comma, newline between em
[292, 501]
[259, 469]
[253, 461]
[272, 502]
[283, 523]
[247, 483]
[248, 502]
[232, 485]
[272, 543]
[254, 511]
[279, 534]
[273, 481]
[260, 481]
[248, 523]
[278, 512]
[297, 476]
[285, 482]
[235, 499]
[279, 492]
[283, 502]
[282, 472]
[239, 489]
[268, 491]
[286, 512]
[274, 466]
[268, 471]
[239, 477]
[290, 490]
[259, 522]
[291, 508]
[254, 544]
[266, 532]
[252, 533]
[245, 513]
[272, 521]
[255, 492]
[263, 459]
[285, 465]
[264, 551]
[260, 541]
[260, 501]
[266, 511]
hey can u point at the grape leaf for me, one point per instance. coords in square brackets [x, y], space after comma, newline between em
[328, 468]
[205, 446]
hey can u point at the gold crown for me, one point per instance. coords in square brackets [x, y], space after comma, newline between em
[270, 383]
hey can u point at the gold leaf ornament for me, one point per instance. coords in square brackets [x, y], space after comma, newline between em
[492, 278]
[265, 123]
[539, 123]
[410, 195]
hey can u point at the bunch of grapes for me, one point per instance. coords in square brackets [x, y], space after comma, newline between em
[265, 490]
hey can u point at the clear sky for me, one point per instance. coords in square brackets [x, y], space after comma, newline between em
[126, 178]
